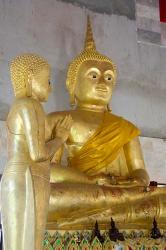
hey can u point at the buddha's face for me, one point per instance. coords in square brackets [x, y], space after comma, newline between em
[40, 83]
[95, 82]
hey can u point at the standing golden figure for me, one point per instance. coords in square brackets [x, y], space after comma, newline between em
[25, 187]
[105, 174]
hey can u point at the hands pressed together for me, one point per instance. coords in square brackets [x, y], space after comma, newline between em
[62, 128]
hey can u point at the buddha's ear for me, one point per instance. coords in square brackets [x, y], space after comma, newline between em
[108, 108]
[29, 84]
[73, 101]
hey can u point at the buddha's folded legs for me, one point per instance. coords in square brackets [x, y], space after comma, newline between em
[78, 206]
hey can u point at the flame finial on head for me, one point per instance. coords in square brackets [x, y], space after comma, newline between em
[89, 40]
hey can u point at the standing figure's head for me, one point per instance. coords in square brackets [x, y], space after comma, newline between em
[91, 75]
[30, 75]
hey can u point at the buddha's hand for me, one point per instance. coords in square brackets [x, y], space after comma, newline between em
[104, 179]
[110, 180]
[62, 128]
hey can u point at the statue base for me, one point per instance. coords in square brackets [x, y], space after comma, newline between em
[82, 240]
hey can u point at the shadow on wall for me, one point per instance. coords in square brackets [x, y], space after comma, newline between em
[117, 7]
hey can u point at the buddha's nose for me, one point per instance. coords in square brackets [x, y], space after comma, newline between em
[102, 83]
[101, 80]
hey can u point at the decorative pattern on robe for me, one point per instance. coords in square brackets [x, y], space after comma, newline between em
[104, 145]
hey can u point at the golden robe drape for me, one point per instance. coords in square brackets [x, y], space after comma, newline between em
[104, 145]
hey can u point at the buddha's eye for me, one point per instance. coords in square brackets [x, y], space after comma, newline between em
[93, 75]
[108, 78]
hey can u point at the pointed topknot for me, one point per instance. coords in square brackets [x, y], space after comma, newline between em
[89, 41]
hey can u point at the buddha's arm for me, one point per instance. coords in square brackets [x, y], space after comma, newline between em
[35, 133]
[135, 163]
[138, 175]
[58, 156]
[51, 121]
[53, 146]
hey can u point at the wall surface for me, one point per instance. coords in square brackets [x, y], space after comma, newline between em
[56, 30]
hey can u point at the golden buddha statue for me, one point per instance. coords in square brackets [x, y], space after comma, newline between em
[25, 187]
[105, 174]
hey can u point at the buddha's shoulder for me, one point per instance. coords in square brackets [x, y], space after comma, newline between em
[124, 126]
[26, 102]
[114, 116]
[22, 104]
[120, 119]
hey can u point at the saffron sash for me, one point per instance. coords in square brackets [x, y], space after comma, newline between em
[104, 145]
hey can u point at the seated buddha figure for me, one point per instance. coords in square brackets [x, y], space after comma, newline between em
[25, 187]
[105, 174]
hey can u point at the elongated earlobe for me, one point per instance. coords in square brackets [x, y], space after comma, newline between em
[73, 101]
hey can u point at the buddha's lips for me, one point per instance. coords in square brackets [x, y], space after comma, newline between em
[102, 89]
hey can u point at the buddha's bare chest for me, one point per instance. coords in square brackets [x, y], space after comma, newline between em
[84, 127]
